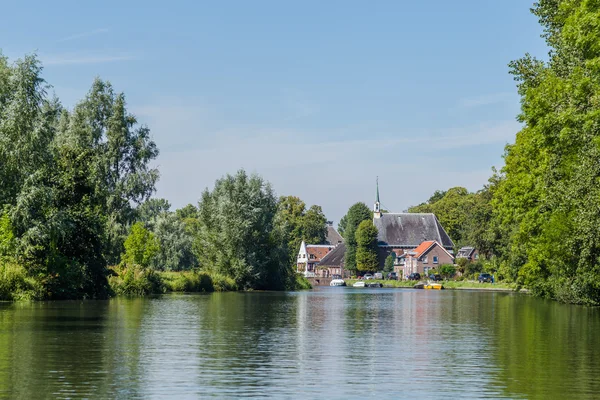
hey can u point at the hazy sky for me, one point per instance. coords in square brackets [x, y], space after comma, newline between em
[319, 97]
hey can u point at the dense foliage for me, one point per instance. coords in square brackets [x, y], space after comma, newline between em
[296, 224]
[356, 214]
[366, 247]
[545, 207]
[75, 188]
[537, 220]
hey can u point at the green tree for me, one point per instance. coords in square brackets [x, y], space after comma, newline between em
[176, 244]
[366, 247]
[237, 238]
[451, 208]
[542, 206]
[151, 209]
[296, 224]
[141, 246]
[356, 214]
[389, 263]
[447, 270]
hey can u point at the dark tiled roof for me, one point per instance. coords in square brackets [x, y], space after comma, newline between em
[333, 237]
[335, 257]
[465, 252]
[410, 230]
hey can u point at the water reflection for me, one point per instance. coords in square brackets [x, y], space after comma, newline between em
[332, 342]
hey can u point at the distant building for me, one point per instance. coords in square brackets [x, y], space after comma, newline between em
[333, 237]
[468, 252]
[412, 237]
[333, 262]
[400, 232]
[311, 255]
[427, 256]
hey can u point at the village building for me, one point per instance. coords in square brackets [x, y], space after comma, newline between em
[333, 263]
[468, 252]
[419, 233]
[310, 255]
[401, 232]
[427, 256]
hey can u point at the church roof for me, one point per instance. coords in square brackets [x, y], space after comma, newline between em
[410, 230]
[333, 237]
[335, 257]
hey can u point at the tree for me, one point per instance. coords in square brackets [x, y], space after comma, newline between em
[447, 270]
[315, 225]
[141, 246]
[119, 152]
[176, 253]
[237, 238]
[342, 225]
[542, 206]
[389, 263]
[356, 214]
[366, 247]
[151, 209]
[452, 210]
[296, 224]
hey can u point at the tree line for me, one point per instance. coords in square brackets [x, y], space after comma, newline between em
[75, 199]
[537, 219]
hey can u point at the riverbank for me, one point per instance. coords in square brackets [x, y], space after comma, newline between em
[17, 285]
[451, 285]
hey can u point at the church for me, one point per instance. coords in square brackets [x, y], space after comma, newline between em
[403, 233]
[417, 240]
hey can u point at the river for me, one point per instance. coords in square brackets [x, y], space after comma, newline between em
[326, 343]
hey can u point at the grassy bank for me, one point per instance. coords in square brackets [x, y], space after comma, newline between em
[136, 281]
[447, 285]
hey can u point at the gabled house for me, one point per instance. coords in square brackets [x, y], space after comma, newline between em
[425, 257]
[468, 252]
[310, 255]
[333, 263]
[401, 232]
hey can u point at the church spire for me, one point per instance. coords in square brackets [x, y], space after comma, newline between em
[377, 207]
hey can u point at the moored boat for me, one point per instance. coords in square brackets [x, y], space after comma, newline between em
[359, 284]
[337, 282]
[433, 285]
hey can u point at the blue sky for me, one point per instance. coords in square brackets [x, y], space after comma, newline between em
[319, 97]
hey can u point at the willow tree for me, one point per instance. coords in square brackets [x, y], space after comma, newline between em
[236, 235]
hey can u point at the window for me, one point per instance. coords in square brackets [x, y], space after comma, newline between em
[425, 260]
[476, 256]
[312, 256]
[435, 259]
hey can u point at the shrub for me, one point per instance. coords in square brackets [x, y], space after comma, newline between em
[15, 284]
[135, 280]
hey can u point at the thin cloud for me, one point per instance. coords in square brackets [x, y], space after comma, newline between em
[77, 59]
[84, 35]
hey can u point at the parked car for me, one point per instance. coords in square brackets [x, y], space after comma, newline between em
[368, 276]
[485, 278]
[378, 275]
[392, 276]
[435, 277]
[415, 276]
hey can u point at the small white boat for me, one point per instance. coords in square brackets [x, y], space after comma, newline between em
[337, 282]
[359, 284]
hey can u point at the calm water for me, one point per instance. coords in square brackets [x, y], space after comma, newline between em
[328, 343]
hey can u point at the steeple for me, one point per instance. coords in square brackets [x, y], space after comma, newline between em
[377, 207]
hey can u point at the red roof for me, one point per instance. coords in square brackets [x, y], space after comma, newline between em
[423, 247]
[317, 251]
